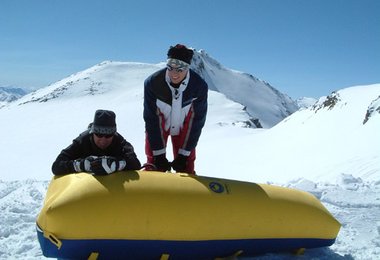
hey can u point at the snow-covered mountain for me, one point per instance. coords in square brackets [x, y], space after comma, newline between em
[305, 102]
[265, 105]
[338, 134]
[9, 94]
[372, 110]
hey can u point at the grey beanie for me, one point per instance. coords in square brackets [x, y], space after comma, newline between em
[104, 122]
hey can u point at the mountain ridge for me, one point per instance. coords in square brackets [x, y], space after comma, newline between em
[266, 105]
[10, 94]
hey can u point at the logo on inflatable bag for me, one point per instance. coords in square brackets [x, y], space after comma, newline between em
[216, 187]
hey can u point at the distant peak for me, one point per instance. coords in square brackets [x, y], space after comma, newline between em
[374, 108]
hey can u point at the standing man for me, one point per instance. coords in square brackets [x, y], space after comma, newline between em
[100, 150]
[175, 104]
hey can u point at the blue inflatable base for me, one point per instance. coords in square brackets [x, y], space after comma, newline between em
[154, 249]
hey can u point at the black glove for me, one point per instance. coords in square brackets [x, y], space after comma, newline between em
[105, 165]
[179, 164]
[84, 165]
[162, 164]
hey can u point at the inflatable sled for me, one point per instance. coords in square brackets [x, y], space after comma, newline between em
[154, 215]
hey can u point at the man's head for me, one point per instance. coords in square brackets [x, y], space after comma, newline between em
[103, 128]
[178, 63]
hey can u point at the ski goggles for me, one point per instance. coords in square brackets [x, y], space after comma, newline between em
[104, 135]
[177, 65]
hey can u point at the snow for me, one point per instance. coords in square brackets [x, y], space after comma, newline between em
[324, 149]
[305, 102]
[271, 106]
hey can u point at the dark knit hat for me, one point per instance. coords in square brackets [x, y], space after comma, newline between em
[104, 122]
[180, 52]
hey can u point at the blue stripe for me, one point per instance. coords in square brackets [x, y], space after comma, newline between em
[153, 249]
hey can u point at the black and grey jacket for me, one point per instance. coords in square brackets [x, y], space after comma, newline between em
[84, 146]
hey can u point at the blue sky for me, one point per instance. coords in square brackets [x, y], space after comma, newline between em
[302, 48]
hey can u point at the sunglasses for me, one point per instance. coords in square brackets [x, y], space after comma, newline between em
[104, 135]
[180, 69]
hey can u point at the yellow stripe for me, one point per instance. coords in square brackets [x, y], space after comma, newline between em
[164, 257]
[93, 256]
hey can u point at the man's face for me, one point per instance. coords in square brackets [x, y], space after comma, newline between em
[176, 74]
[102, 141]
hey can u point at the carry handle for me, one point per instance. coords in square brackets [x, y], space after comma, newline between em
[53, 239]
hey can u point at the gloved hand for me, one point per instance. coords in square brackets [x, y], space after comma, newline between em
[162, 164]
[84, 165]
[106, 165]
[179, 163]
